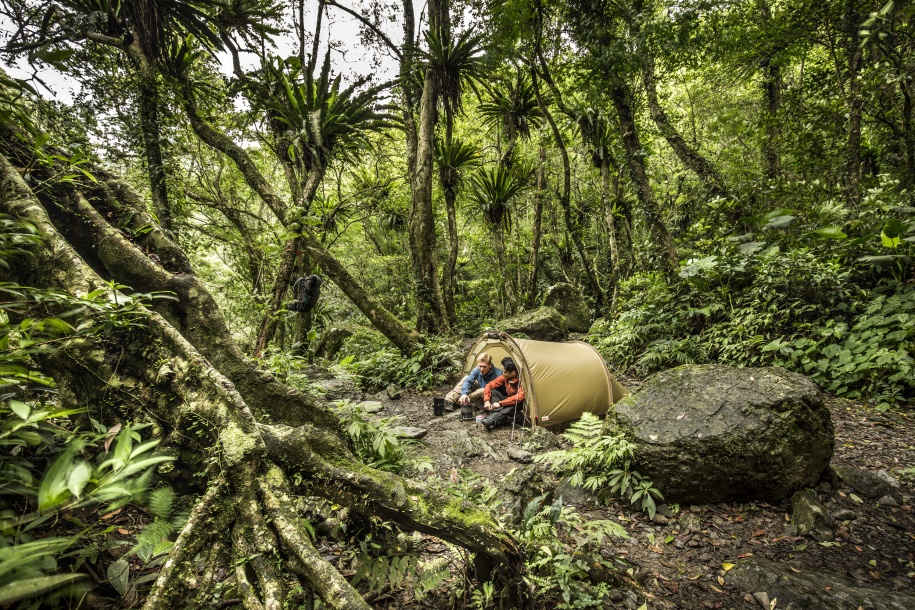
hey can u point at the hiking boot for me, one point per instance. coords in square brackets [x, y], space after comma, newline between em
[449, 406]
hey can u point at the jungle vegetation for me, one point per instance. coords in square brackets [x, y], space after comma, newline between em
[724, 181]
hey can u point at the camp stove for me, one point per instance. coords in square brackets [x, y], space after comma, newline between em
[467, 413]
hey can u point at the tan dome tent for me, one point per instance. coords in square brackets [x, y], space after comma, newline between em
[561, 380]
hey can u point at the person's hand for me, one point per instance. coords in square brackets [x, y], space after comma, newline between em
[465, 400]
[496, 406]
[487, 406]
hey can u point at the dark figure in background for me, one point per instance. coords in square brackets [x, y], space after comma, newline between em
[307, 290]
[503, 397]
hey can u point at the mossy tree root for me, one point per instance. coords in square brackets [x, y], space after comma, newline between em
[242, 550]
[321, 577]
[194, 535]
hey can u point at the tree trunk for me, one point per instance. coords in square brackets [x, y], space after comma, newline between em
[772, 84]
[149, 122]
[538, 221]
[635, 155]
[610, 223]
[280, 287]
[284, 272]
[853, 105]
[431, 314]
[259, 428]
[451, 262]
[907, 132]
[688, 155]
[565, 200]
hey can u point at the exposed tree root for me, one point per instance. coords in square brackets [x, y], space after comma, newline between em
[194, 535]
[322, 577]
[243, 550]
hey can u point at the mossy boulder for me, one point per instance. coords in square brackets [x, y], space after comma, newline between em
[568, 301]
[331, 341]
[711, 433]
[543, 324]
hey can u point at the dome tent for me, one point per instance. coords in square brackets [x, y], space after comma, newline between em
[561, 380]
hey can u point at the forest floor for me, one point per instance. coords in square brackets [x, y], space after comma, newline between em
[679, 561]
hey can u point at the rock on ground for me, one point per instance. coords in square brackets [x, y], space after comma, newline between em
[578, 496]
[411, 432]
[544, 324]
[520, 487]
[339, 388]
[811, 517]
[568, 300]
[371, 406]
[520, 455]
[711, 433]
[870, 484]
[808, 589]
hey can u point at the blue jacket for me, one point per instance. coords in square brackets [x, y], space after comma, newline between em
[476, 375]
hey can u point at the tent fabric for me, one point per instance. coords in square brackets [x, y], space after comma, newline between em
[561, 380]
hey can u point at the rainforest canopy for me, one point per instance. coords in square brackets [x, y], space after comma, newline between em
[561, 380]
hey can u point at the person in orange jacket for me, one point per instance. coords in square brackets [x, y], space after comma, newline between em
[503, 397]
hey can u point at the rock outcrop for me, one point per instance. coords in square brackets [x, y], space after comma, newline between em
[544, 324]
[711, 433]
[568, 301]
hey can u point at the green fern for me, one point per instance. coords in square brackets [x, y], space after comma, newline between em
[601, 463]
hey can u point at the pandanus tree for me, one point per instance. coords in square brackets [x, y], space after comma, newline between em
[494, 189]
[454, 63]
[513, 110]
[321, 120]
[597, 134]
[313, 118]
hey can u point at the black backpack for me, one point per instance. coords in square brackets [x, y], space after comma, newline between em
[307, 290]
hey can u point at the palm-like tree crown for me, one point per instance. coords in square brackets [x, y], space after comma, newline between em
[514, 109]
[493, 190]
[322, 117]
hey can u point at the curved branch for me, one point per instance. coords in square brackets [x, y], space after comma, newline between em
[402, 336]
[221, 142]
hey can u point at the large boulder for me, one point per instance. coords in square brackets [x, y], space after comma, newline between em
[544, 324]
[331, 341]
[568, 300]
[711, 433]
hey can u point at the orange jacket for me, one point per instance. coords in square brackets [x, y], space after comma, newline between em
[513, 390]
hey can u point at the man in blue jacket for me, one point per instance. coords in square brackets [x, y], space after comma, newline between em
[471, 387]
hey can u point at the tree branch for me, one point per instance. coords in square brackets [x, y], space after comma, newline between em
[364, 20]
